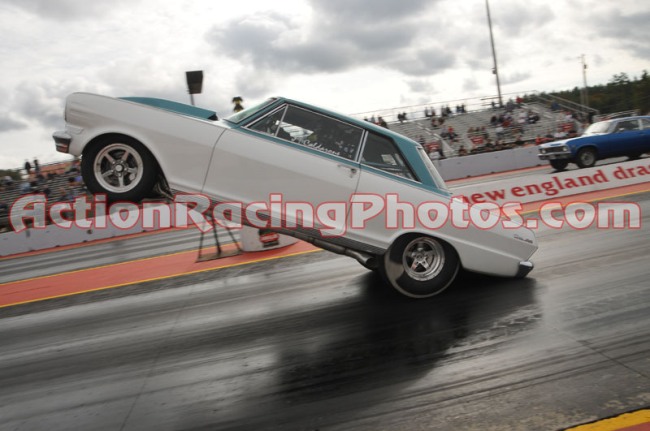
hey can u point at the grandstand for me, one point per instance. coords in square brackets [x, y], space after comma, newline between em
[540, 118]
[59, 182]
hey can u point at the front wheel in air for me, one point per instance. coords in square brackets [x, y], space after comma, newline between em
[120, 167]
[420, 266]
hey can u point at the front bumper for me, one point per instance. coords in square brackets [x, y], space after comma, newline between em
[554, 156]
[62, 141]
[524, 268]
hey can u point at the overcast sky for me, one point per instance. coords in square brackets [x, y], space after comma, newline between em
[352, 56]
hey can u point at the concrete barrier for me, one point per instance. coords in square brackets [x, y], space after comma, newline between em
[488, 163]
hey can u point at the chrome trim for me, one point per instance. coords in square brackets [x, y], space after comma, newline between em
[554, 156]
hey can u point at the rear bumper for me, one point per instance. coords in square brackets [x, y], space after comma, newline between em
[62, 141]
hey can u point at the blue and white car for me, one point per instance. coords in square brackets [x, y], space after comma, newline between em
[628, 136]
[132, 147]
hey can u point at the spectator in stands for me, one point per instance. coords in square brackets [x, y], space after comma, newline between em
[65, 195]
[28, 167]
[46, 191]
[462, 151]
[382, 123]
[37, 167]
[25, 188]
[74, 167]
[519, 142]
[499, 131]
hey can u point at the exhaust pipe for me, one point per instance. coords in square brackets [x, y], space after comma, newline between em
[365, 259]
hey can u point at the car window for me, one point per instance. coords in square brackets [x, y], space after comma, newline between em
[601, 127]
[312, 130]
[380, 152]
[645, 123]
[627, 125]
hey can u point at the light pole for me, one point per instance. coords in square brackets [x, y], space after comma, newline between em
[495, 69]
[585, 95]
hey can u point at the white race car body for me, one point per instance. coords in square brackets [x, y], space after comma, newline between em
[293, 152]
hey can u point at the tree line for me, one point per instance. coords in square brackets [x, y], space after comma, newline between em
[621, 93]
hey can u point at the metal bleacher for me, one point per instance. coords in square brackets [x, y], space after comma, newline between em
[59, 181]
[550, 110]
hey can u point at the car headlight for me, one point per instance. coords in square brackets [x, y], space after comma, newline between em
[542, 150]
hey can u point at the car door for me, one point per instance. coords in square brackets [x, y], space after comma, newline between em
[294, 163]
[626, 138]
[644, 136]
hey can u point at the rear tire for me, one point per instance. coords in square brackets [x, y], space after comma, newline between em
[559, 165]
[419, 266]
[120, 167]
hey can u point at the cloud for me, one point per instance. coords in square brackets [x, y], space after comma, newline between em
[628, 32]
[8, 124]
[514, 78]
[518, 18]
[69, 9]
[339, 36]
[422, 86]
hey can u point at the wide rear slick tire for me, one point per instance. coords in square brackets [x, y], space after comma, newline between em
[119, 167]
[419, 266]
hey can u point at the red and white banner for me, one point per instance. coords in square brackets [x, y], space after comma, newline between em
[546, 186]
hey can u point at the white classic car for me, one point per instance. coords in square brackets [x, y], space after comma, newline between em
[346, 185]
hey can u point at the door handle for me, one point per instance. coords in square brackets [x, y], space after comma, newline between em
[351, 169]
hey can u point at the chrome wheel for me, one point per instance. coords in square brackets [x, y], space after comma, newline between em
[419, 266]
[423, 259]
[118, 168]
[586, 158]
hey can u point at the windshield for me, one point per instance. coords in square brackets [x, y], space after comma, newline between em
[437, 179]
[597, 128]
[247, 113]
